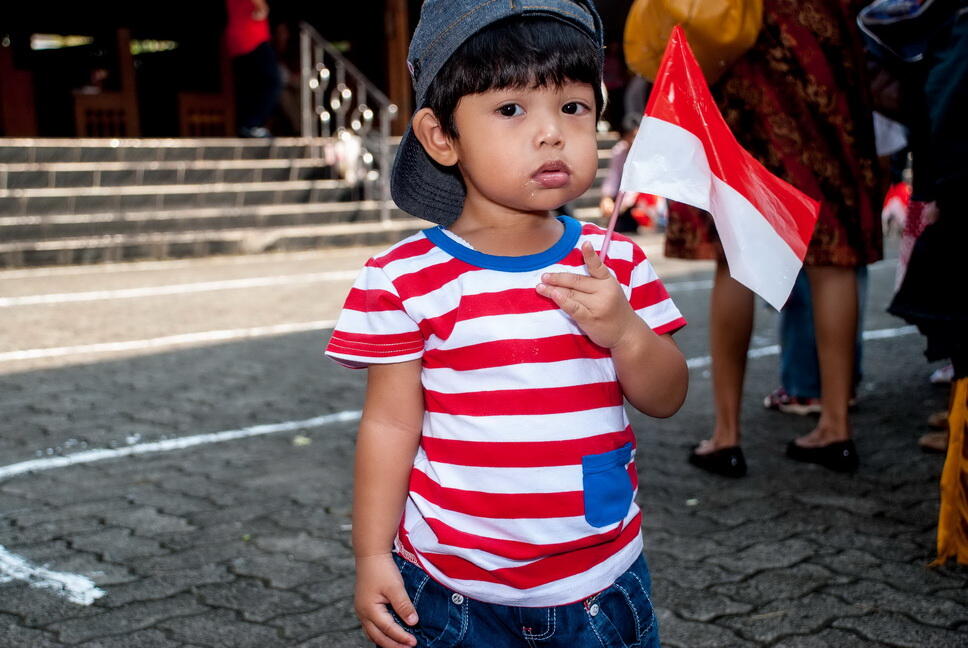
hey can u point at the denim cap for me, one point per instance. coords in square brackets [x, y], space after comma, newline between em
[419, 185]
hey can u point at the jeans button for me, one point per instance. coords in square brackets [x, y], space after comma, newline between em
[593, 610]
[457, 599]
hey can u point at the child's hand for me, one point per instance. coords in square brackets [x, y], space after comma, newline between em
[378, 584]
[596, 302]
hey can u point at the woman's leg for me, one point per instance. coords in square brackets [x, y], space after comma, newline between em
[835, 312]
[730, 328]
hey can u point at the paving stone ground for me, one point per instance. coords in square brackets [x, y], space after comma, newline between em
[247, 543]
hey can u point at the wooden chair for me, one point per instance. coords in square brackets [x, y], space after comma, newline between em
[111, 114]
[17, 111]
[209, 114]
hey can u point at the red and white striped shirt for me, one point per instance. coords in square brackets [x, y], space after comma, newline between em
[523, 488]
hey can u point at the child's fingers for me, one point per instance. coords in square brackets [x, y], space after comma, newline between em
[581, 283]
[402, 605]
[569, 281]
[385, 632]
[596, 267]
[374, 634]
[564, 298]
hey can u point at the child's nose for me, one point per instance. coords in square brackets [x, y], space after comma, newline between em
[550, 134]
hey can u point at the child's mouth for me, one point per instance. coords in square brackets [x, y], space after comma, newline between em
[552, 175]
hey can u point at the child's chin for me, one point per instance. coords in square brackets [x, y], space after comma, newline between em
[552, 201]
[547, 207]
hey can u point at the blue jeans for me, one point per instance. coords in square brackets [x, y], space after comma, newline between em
[257, 85]
[620, 616]
[799, 367]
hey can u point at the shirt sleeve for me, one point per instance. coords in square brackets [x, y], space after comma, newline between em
[649, 298]
[374, 327]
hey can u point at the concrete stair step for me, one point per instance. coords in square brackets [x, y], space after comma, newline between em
[105, 246]
[25, 228]
[88, 200]
[61, 200]
[47, 150]
[48, 175]
[57, 226]
[37, 202]
[25, 150]
[127, 247]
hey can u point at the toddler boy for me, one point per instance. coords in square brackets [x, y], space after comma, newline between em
[494, 501]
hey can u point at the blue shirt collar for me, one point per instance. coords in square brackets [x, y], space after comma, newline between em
[526, 263]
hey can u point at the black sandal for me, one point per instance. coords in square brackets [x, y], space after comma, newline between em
[728, 462]
[839, 456]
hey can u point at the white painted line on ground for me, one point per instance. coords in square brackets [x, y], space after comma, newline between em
[356, 253]
[226, 335]
[883, 334]
[702, 284]
[774, 349]
[74, 587]
[168, 341]
[178, 289]
[232, 284]
[686, 286]
[79, 589]
[180, 443]
[82, 590]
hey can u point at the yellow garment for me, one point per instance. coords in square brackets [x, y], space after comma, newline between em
[953, 518]
[718, 31]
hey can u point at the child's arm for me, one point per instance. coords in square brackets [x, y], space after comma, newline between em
[385, 447]
[650, 367]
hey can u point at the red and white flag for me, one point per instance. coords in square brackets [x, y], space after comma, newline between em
[685, 151]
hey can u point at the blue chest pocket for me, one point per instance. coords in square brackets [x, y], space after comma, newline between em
[607, 486]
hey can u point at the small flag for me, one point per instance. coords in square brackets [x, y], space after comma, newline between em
[685, 151]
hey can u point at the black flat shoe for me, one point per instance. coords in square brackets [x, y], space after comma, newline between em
[840, 456]
[728, 462]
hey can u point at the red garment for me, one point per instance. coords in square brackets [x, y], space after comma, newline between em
[914, 224]
[243, 33]
[522, 489]
[645, 207]
[798, 102]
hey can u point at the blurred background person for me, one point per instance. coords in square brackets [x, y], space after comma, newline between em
[799, 102]
[932, 291]
[613, 179]
[255, 67]
[799, 390]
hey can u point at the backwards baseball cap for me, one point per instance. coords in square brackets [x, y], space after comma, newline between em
[419, 185]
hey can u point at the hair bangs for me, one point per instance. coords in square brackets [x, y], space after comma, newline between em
[535, 53]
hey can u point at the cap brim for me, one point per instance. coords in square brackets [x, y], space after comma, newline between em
[423, 188]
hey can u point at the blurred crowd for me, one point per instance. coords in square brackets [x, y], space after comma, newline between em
[863, 106]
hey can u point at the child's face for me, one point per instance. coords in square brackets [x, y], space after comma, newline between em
[526, 149]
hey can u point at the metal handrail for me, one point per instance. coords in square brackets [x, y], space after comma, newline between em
[344, 108]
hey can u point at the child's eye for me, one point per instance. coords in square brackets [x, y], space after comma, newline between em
[575, 108]
[511, 110]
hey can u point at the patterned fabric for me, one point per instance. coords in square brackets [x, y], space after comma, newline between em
[798, 102]
[523, 488]
[914, 225]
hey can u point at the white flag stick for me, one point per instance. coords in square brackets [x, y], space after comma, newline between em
[611, 224]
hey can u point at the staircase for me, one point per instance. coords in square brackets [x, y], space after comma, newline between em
[93, 200]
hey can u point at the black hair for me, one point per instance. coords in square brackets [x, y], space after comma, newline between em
[515, 53]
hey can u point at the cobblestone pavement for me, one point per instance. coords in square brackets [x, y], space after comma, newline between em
[246, 542]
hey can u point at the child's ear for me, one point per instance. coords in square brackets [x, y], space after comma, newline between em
[430, 134]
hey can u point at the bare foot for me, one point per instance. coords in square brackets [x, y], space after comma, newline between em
[820, 437]
[934, 442]
[708, 446]
[938, 420]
